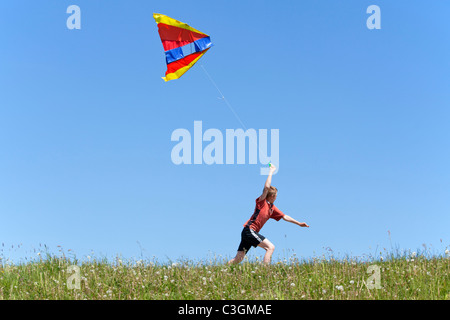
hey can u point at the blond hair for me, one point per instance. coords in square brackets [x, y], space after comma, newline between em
[272, 191]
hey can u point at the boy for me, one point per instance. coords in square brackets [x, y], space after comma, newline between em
[264, 210]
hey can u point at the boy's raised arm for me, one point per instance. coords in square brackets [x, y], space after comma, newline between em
[268, 182]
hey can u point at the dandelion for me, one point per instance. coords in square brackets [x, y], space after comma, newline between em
[324, 291]
[352, 282]
[292, 284]
[340, 288]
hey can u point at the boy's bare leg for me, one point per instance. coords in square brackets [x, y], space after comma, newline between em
[269, 247]
[238, 258]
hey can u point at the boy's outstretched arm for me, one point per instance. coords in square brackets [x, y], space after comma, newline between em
[290, 219]
[272, 169]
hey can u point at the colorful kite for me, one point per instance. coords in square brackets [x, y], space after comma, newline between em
[183, 45]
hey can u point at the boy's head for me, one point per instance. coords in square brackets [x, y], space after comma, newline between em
[272, 194]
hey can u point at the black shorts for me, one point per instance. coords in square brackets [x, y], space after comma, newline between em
[249, 238]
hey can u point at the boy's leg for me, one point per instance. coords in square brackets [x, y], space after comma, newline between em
[243, 248]
[269, 247]
[238, 258]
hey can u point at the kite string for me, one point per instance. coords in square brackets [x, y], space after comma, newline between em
[224, 99]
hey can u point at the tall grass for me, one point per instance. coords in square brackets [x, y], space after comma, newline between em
[406, 276]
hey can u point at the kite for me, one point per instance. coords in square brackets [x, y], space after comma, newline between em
[183, 45]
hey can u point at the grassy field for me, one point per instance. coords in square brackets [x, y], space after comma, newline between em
[53, 277]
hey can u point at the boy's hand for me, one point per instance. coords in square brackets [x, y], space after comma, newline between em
[272, 168]
[303, 224]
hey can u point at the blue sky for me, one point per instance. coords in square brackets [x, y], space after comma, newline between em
[86, 121]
